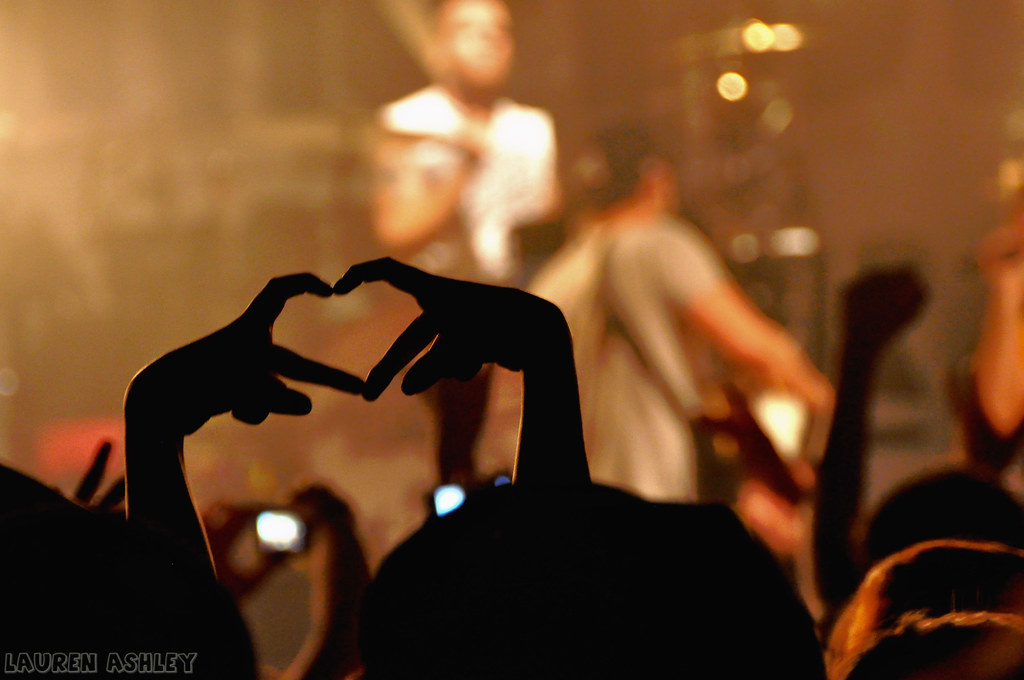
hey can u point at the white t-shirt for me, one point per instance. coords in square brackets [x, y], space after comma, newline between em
[515, 182]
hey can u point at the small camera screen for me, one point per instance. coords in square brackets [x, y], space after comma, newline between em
[281, 531]
[447, 498]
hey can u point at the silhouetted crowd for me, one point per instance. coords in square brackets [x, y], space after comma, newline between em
[549, 576]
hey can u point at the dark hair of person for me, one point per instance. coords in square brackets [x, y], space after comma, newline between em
[611, 166]
[938, 604]
[944, 505]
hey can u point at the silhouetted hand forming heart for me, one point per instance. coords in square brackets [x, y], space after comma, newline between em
[465, 325]
[236, 369]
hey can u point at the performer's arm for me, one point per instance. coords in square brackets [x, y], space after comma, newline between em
[663, 277]
[745, 336]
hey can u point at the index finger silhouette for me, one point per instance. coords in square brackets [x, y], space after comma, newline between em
[413, 340]
[292, 365]
[401, 276]
[91, 482]
[269, 302]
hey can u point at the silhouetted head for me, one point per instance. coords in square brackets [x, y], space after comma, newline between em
[473, 46]
[622, 163]
[582, 581]
[944, 505]
[938, 609]
[72, 581]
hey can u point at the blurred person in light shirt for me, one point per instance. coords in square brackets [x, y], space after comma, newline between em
[459, 168]
[643, 291]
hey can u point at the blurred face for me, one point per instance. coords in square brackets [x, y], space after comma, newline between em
[475, 41]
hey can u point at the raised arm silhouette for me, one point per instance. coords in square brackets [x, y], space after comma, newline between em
[237, 369]
[553, 576]
[466, 325]
[877, 306]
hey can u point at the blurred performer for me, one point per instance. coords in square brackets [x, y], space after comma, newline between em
[640, 288]
[459, 168]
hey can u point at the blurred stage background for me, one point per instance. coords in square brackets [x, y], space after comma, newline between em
[162, 159]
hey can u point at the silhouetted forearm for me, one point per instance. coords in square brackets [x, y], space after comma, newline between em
[157, 490]
[840, 480]
[551, 434]
[877, 305]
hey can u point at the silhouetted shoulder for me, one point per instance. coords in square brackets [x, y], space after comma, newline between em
[583, 582]
[101, 584]
[21, 493]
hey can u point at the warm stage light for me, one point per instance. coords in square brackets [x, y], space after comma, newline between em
[784, 420]
[758, 36]
[787, 37]
[795, 242]
[732, 86]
